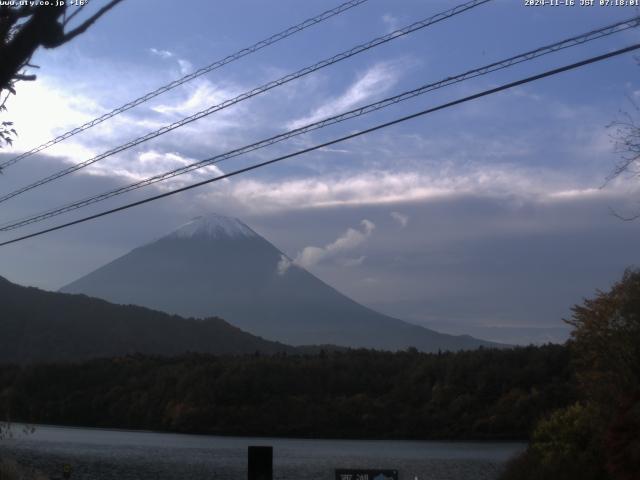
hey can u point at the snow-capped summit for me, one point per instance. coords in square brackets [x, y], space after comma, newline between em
[213, 226]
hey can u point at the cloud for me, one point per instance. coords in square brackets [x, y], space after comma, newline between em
[575, 193]
[185, 65]
[349, 240]
[384, 187]
[165, 54]
[29, 109]
[390, 21]
[204, 95]
[283, 265]
[353, 262]
[153, 162]
[400, 218]
[76, 106]
[416, 182]
[374, 81]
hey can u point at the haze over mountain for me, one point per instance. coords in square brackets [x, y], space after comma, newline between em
[218, 266]
[40, 326]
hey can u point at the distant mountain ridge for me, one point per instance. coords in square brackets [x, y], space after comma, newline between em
[40, 326]
[218, 266]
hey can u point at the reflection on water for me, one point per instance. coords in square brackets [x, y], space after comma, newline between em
[116, 454]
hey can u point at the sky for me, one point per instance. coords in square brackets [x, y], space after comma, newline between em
[491, 218]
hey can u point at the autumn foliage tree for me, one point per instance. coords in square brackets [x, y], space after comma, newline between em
[598, 437]
[606, 342]
[606, 346]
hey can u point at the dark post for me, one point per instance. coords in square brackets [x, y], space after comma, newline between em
[260, 463]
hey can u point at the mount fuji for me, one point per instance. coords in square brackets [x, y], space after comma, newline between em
[218, 266]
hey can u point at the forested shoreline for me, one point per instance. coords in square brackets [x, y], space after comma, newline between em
[481, 394]
[578, 404]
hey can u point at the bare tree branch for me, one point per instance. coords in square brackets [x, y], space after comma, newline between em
[68, 19]
[28, 78]
[24, 29]
[626, 137]
[88, 22]
[622, 217]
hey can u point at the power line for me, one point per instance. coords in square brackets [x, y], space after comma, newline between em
[484, 93]
[256, 91]
[187, 78]
[502, 64]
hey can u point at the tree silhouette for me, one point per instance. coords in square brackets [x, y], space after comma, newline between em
[25, 28]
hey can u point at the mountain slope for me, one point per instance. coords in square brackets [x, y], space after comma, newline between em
[37, 326]
[217, 265]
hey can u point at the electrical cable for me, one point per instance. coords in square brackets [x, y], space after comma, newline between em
[251, 93]
[202, 71]
[484, 93]
[502, 64]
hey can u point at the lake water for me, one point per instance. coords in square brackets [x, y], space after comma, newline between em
[116, 454]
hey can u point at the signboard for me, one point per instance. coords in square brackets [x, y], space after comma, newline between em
[362, 474]
[260, 463]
